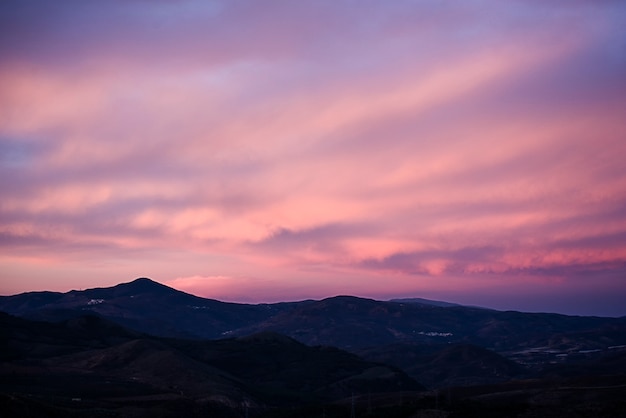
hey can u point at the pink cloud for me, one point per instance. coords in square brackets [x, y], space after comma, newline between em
[317, 148]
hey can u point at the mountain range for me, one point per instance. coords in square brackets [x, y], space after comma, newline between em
[144, 348]
[342, 321]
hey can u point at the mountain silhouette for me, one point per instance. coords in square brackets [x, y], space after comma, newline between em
[343, 321]
[144, 349]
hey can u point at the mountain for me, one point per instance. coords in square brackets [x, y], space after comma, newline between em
[343, 321]
[144, 349]
[356, 323]
[143, 305]
[425, 302]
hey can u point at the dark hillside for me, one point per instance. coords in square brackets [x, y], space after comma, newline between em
[103, 366]
[438, 366]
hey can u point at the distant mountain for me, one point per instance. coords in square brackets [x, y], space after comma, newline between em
[143, 305]
[425, 302]
[343, 321]
[355, 323]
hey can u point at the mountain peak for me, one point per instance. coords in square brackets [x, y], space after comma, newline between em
[347, 299]
[145, 284]
[139, 286]
[143, 280]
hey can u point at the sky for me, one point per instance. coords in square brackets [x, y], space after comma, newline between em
[258, 151]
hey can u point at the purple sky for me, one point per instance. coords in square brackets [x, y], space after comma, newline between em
[469, 151]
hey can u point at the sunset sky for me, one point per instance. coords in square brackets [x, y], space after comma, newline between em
[256, 151]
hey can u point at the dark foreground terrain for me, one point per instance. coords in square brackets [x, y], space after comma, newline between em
[93, 353]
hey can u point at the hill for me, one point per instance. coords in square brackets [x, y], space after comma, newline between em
[445, 365]
[104, 366]
[343, 321]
